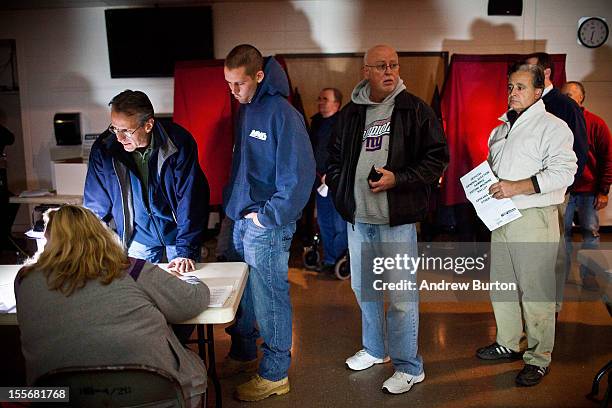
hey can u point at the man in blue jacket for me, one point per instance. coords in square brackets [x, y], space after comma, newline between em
[147, 179]
[273, 170]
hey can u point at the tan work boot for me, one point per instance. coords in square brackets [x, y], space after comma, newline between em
[259, 388]
[230, 367]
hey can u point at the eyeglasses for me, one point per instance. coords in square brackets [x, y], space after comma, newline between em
[123, 132]
[383, 67]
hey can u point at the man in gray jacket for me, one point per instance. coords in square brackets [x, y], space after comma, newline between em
[531, 155]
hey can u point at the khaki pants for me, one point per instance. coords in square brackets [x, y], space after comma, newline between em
[524, 252]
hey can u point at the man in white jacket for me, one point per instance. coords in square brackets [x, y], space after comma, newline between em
[531, 154]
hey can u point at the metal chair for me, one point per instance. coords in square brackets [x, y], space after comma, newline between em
[123, 386]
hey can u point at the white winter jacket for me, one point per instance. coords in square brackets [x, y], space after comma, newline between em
[539, 144]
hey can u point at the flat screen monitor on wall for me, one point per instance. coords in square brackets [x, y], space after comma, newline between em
[146, 42]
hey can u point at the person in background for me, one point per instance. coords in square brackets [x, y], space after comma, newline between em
[83, 302]
[147, 179]
[590, 191]
[531, 155]
[273, 170]
[567, 110]
[563, 107]
[387, 151]
[331, 224]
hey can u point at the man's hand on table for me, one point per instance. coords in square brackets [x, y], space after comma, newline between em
[178, 266]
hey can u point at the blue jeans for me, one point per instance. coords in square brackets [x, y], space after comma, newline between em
[402, 320]
[153, 254]
[589, 226]
[333, 230]
[265, 301]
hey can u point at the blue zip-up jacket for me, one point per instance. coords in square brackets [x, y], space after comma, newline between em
[175, 178]
[273, 168]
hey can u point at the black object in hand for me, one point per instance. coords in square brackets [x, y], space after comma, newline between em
[374, 175]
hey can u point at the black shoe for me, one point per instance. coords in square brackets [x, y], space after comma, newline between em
[531, 375]
[497, 352]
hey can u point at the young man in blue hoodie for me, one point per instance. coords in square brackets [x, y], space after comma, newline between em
[273, 170]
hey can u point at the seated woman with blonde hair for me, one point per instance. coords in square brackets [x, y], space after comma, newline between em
[83, 302]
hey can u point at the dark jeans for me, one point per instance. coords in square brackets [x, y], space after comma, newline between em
[333, 230]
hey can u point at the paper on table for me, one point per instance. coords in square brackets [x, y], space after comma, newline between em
[35, 193]
[35, 234]
[219, 294]
[494, 213]
[7, 298]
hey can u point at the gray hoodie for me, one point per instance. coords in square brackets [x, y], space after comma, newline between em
[373, 208]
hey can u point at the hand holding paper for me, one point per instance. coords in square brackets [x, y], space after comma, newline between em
[323, 190]
[508, 189]
[479, 185]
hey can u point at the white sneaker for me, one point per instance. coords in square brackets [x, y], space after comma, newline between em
[400, 383]
[362, 360]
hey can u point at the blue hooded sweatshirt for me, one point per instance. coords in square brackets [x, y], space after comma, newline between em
[273, 168]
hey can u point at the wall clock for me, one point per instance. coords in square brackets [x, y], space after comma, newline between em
[593, 32]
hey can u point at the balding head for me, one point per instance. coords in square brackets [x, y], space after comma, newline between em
[377, 49]
[381, 69]
[574, 90]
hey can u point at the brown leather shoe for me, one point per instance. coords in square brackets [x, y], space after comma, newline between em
[589, 282]
[259, 388]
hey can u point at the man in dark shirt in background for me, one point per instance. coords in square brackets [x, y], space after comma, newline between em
[566, 109]
[331, 224]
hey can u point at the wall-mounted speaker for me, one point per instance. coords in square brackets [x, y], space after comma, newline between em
[505, 8]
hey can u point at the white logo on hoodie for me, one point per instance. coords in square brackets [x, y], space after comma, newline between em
[258, 134]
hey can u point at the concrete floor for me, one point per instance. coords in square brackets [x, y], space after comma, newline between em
[327, 329]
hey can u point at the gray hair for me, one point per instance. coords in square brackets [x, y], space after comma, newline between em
[133, 103]
[536, 71]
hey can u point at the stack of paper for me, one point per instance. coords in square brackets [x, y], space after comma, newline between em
[219, 291]
[35, 193]
[219, 294]
[7, 298]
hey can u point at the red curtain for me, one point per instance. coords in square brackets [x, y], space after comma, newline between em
[203, 106]
[474, 96]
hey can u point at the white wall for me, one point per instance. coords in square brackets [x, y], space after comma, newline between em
[63, 59]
